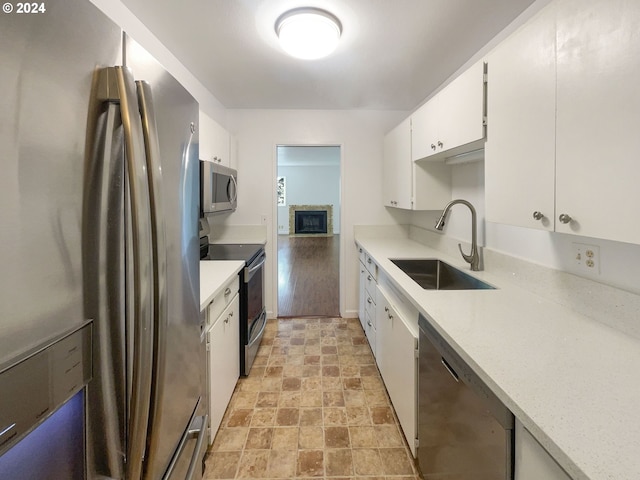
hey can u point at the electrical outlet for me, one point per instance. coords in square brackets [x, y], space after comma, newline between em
[586, 258]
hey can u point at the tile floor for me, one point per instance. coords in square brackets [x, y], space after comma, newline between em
[314, 406]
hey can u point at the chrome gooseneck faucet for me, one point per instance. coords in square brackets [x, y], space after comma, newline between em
[474, 257]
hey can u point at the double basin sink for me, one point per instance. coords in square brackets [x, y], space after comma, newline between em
[434, 274]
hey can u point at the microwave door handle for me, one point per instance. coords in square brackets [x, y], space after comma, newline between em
[235, 189]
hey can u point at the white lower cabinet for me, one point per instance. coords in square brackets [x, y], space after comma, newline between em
[223, 362]
[532, 461]
[396, 347]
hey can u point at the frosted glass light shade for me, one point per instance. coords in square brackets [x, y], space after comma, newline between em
[308, 33]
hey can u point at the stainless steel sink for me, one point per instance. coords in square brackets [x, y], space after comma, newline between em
[433, 274]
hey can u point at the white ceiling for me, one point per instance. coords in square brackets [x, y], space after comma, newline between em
[392, 55]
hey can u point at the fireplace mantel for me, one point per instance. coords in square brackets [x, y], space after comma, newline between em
[292, 216]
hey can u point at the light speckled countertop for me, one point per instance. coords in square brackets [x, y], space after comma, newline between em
[574, 383]
[214, 274]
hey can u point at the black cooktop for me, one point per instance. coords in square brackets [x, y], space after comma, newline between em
[234, 251]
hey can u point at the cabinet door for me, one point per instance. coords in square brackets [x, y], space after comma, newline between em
[532, 462]
[395, 355]
[425, 133]
[461, 110]
[224, 363]
[397, 166]
[215, 143]
[520, 147]
[598, 113]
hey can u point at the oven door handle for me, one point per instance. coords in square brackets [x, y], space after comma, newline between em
[250, 271]
[263, 318]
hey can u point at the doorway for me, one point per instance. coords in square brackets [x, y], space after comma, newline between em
[308, 212]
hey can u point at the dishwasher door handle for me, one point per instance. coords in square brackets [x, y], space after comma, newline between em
[446, 365]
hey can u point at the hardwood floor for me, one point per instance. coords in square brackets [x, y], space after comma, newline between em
[308, 276]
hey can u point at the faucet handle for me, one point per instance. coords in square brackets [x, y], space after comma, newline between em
[467, 258]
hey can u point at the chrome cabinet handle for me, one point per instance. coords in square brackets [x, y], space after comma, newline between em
[369, 301]
[369, 323]
[440, 144]
[390, 316]
[369, 277]
[368, 260]
[386, 309]
[227, 292]
[538, 215]
[433, 147]
[564, 218]
[226, 320]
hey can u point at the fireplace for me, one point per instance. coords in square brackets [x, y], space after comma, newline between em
[311, 220]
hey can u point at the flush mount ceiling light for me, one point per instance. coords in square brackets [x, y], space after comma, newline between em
[308, 33]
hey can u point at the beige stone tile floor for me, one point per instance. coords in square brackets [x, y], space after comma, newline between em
[313, 407]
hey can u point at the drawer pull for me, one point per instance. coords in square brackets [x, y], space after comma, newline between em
[227, 292]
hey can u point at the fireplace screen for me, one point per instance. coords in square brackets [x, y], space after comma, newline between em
[311, 221]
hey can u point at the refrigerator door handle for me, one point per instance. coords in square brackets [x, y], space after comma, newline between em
[201, 432]
[116, 85]
[158, 238]
[197, 429]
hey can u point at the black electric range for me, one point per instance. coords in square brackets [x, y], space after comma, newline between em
[253, 316]
[231, 251]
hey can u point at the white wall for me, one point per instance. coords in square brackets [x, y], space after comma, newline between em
[310, 185]
[359, 133]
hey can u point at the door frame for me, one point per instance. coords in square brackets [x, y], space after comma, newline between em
[274, 223]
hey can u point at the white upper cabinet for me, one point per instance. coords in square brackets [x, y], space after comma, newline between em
[521, 109]
[598, 118]
[396, 167]
[215, 141]
[405, 184]
[452, 122]
[563, 110]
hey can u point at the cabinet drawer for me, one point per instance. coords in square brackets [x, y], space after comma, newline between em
[370, 306]
[371, 266]
[222, 299]
[370, 331]
[370, 285]
[362, 255]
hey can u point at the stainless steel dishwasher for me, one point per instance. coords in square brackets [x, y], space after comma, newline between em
[464, 430]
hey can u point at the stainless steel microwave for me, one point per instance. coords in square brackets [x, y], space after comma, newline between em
[218, 188]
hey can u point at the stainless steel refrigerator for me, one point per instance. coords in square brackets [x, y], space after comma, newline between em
[99, 205]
